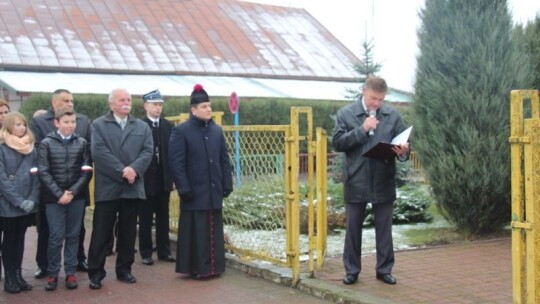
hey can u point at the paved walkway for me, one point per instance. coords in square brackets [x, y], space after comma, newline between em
[478, 272]
[155, 284]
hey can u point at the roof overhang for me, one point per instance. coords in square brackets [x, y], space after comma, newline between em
[181, 85]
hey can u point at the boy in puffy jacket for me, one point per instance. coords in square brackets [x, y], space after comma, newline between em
[65, 171]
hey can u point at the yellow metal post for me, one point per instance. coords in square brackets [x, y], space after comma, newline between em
[322, 220]
[293, 252]
[518, 204]
[523, 194]
[532, 206]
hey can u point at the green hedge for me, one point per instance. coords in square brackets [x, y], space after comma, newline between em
[253, 111]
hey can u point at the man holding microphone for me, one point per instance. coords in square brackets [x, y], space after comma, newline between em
[359, 126]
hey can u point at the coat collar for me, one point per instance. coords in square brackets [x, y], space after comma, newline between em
[109, 117]
[54, 134]
[199, 122]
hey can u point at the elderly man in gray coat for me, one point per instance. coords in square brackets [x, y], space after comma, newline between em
[122, 148]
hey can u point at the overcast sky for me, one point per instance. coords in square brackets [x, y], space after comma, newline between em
[390, 24]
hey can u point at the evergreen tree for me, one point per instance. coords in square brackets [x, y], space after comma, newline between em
[530, 36]
[367, 67]
[467, 66]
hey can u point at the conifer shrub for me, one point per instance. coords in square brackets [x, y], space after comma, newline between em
[467, 67]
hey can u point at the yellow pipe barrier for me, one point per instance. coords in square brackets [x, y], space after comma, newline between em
[524, 147]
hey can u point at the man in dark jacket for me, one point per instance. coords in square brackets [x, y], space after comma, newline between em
[359, 126]
[157, 185]
[201, 171]
[122, 149]
[41, 126]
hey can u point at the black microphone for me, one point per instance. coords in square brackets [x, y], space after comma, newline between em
[372, 114]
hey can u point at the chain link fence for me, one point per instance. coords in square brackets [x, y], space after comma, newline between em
[263, 215]
[254, 214]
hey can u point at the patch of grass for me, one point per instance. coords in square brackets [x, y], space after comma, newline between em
[442, 233]
[432, 236]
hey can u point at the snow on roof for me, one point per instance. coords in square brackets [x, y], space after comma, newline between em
[203, 37]
[93, 46]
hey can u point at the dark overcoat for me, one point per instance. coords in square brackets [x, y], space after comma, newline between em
[366, 179]
[200, 163]
[113, 149]
[155, 185]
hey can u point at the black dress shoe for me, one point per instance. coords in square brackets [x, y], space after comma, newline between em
[148, 261]
[168, 258]
[387, 278]
[40, 273]
[95, 283]
[350, 279]
[126, 278]
[82, 266]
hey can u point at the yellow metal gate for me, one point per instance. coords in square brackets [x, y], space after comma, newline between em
[277, 211]
[525, 174]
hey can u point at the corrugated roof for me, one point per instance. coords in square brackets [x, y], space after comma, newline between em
[181, 37]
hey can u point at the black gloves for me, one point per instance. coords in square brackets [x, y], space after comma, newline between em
[226, 192]
[186, 197]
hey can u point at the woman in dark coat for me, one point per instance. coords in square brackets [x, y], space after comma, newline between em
[19, 186]
[201, 169]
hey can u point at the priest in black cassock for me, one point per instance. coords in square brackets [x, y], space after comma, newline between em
[201, 169]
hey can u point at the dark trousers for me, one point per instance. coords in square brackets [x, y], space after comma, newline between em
[43, 240]
[81, 257]
[356, 213]
[65, 227]
[13, 249]
[105, 215]
[158, 205]
[1, 254]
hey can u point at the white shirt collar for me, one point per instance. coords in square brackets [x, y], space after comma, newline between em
[118, 119]
[364, 105]
[153, 119]
[63, 137]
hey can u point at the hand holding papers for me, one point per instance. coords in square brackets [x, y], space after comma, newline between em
[384, 150]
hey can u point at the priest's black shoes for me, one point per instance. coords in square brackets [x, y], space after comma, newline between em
[387, 278]
[126, 278]
[350, 279]
[148, 261]
[95, 283]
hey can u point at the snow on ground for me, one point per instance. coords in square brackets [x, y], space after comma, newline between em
[273, 242]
